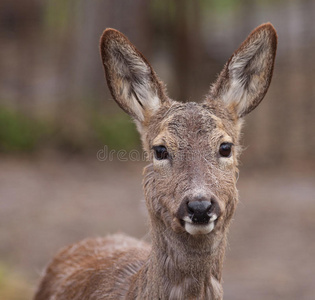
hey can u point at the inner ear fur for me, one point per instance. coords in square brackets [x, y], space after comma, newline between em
[246, 77]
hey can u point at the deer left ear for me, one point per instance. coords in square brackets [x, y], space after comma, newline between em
[130, 78]
[246, 77]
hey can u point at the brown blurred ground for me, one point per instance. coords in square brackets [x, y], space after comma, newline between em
[52, 201]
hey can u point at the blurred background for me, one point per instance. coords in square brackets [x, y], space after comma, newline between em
[56, 113]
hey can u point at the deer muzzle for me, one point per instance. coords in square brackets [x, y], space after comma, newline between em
[198, 215]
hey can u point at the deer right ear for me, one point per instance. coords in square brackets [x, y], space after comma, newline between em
[246, 77]
[130, 78]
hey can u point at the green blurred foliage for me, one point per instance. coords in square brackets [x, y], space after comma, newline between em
[19, 132]
[13, 286]
[57, 15]
[116, 131]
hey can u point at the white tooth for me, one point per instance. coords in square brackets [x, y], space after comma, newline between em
[213, 218]
[187, 219]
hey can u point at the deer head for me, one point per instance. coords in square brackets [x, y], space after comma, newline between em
[193, 147]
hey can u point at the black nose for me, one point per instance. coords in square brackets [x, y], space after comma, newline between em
[199, 211]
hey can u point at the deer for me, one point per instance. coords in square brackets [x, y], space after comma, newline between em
[189, 183]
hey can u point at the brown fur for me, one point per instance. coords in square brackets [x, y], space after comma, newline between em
[178, 264]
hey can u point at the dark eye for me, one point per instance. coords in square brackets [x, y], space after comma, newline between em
[160, 152]
[225, 149]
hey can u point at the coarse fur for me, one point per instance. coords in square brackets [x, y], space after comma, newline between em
[186, 256]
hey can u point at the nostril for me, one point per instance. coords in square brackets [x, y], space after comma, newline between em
[208, 206]
[191, 207]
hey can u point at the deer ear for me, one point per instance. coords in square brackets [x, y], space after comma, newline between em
[246, 77]
[130, 78]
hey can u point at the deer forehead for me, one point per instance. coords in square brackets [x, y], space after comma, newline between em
[192, 125]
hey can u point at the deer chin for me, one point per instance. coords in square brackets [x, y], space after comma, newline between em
[197, 229]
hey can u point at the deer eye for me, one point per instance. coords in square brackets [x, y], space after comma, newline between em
[225, 149]
[160, 152]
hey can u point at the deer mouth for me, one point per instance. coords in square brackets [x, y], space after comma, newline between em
[195, 228]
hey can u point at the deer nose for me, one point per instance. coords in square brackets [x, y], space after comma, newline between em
[199, 211]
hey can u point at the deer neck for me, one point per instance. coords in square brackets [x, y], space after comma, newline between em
[182, 267]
